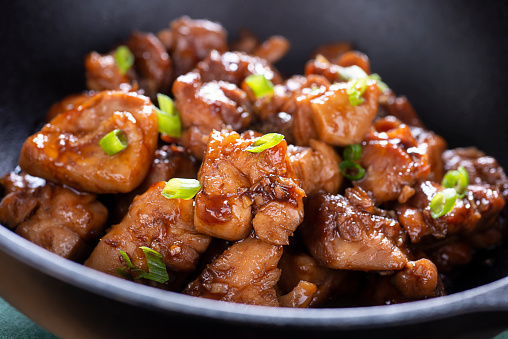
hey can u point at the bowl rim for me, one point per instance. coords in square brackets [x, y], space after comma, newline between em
[162, 301]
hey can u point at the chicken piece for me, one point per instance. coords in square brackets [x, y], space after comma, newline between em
[164, 225]
[399, 107]
[193, 40]
[245, 273]
[18, 181]
[281, 123]
[238, 184]
[300, 297]
[481, 168]
[330, 283]
[273, 49]
[394, 158]
[317, 167]
[477, 210]
[234, 67]
[67, 150]
[433, 147]
[341, 236]
[247, 42]
[102, 73]
[350, 58]
[68, 103]
[58, 219]
[332, 51]
[322, 66]
[207, 106]
[152, 63]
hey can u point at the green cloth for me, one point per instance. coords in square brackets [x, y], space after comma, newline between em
[15, 325]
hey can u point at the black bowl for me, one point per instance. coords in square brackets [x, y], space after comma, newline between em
[449, 58]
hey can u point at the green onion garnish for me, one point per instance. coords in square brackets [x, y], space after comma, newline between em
[355, 72]
[265, 142]
[351, 170]
[380, 84]
[124, 59]
[443, 202]
[355, 89]
[178, 188]
[457, 179]
[260, 85]
[114, 142]
[353, 152]
[156, 267]
[168, 117]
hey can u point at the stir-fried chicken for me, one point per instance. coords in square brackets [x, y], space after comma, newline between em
[58, 219]
[67, 150]
[68, 103]
[238, 184]
[102, 73]
[164, 225]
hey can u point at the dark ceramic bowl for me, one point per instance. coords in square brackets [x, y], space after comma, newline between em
[449, 58]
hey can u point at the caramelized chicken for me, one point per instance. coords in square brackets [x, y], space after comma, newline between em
[58, 219]
[332, 51]
[67, 150]
[238, 184]
[68, 103]
[342, 236]
[399, 107]
[164, 225]
[102, 73]
[300, 297]
[245, 273]
[273, 49]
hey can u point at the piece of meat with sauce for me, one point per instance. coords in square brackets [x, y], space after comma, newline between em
[67, 150]
[316, 167]
[245, 273]
[164, 225]
[61, 220]
[395, 157]
[102, 73]
[399, 107]
[273, 49]
[68, 103]
[192, 40]
[204, 107]
[332, 51]
[343, 236]
[242, 190]
[281, 123]
[481, 168]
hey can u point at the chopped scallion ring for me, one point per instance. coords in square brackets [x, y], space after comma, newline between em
[443, 202]
[351, 170]
[178, 188]
[114, 142]
[260, 85]
[380, 84]
[156, 266]
[353, 152]
[168, 117]
[355, 89]
[124, 59]
[265, 142]
[457, 179]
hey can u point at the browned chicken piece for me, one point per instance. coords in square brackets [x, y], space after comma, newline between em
[481, 168]
[323, 67]
[476, 211]
[399, 107]
[300, 297]
[68, 103]
[317, 167]
[273, 49]
[102, 73]
[18, 181]
[164, 225]
[281, 122]
[298, 267]
[152, 63]
[395, 157]
[204, 107]
[332, 51]
[446, 254]
[354, 58]
[247, 42]
[67, 150]
[238, 184]
[58, 219]
[234, 67]
[342, 236]
[170, 161]
[245, 273]
[193, 40]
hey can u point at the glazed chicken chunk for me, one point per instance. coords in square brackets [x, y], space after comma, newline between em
[238, 185]
[67, 150]
[164, 225]
[58, 219]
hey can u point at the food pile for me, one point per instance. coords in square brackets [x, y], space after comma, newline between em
[192, 165]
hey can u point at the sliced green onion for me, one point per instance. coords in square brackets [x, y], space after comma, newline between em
[265, 142]
[260, 85]
[353, 152]
[351, 72]
[443, 202]
[355, 89]
[124, 59]
[380, 84]
[168, 117]
[178, 188]
[457, 179]
[138, 271]
[114, 142]
[351, 170]
[156, 266]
